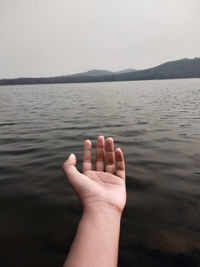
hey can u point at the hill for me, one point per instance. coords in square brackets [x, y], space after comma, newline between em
[89, 73]
[183, 68]
[125, 71]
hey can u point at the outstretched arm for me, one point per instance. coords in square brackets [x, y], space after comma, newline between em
[103, 196]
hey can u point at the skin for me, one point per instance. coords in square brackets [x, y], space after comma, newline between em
[102, 193]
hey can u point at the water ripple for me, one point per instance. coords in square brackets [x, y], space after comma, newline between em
[156, 123]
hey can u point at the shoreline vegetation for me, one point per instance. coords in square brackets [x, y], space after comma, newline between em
[179, 69]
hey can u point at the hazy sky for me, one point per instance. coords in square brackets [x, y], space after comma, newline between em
[56, 37]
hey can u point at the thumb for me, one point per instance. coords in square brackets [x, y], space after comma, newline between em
[69, 167]
[75, 178]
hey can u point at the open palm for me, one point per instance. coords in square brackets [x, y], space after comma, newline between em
[106, 185]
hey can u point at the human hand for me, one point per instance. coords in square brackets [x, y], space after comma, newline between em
[103, 188]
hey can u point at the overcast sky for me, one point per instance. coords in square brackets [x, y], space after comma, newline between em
[56, 37]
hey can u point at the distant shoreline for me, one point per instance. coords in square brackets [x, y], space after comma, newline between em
[179, 69]
[164, 79]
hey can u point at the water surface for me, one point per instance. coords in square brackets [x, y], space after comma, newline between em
[156, 123]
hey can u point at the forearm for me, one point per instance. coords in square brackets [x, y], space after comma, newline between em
[97, 239]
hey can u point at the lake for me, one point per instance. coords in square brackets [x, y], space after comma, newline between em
[157, 125]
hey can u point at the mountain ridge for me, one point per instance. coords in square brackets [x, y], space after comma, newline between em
[182, 68]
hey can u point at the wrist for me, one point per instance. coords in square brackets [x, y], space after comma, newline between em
[105, 211]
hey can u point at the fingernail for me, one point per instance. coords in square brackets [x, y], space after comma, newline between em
[71, 156]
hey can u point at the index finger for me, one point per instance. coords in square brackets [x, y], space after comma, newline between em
[87, 156]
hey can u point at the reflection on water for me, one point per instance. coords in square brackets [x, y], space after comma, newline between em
[157, 124]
